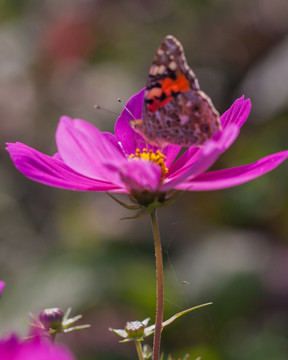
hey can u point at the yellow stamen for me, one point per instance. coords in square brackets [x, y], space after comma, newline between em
[156, 157]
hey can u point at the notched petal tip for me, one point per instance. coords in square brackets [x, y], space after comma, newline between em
[66, 118]
[11, 145]
[237, 113]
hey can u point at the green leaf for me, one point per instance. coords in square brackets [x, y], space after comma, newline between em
[150, 329]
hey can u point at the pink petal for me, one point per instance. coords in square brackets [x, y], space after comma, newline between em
[226, 178]
[202, 158]
[237, 114]
[87, 150]
[43, 349]
[141, 175]
[51, 170]
[9, 347]
[2, 286]
[37, 348]
[124, 133]
[171, 152]
[185, 161]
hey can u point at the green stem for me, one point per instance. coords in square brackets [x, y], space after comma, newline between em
[139, 350]
[159, 286]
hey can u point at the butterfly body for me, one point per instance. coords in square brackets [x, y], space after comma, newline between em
[175, 110]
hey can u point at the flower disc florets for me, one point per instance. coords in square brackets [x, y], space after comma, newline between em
[146, 198]
[155, 157]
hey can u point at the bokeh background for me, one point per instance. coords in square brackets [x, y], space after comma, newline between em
[61, 248]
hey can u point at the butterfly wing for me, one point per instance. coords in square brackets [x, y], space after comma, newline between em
[175, 110]
[186, 120]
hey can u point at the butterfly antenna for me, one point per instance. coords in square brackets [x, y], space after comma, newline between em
[124, 107]
[98, 107]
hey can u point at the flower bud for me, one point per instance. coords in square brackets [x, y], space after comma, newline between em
[51, 318]
[135, 329]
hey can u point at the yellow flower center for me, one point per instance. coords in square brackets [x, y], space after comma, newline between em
[156, 157]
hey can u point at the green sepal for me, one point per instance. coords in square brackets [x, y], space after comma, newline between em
[148, 210]
[126, 206]
[124, 334]
[130, 339]
[77, 327]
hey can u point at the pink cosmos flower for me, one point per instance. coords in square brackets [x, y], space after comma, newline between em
[34, 349]
[2, 286]
[91, 160]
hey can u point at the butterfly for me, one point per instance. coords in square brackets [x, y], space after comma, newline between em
[175, 110]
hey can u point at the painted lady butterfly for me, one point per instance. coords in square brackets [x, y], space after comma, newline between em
[175, 110]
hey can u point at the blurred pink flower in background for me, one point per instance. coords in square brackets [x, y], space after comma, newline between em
[91, 160]
[34, 349]
[2, 286]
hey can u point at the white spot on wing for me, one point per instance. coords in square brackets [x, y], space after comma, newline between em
[172, 65]
[184, 119]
